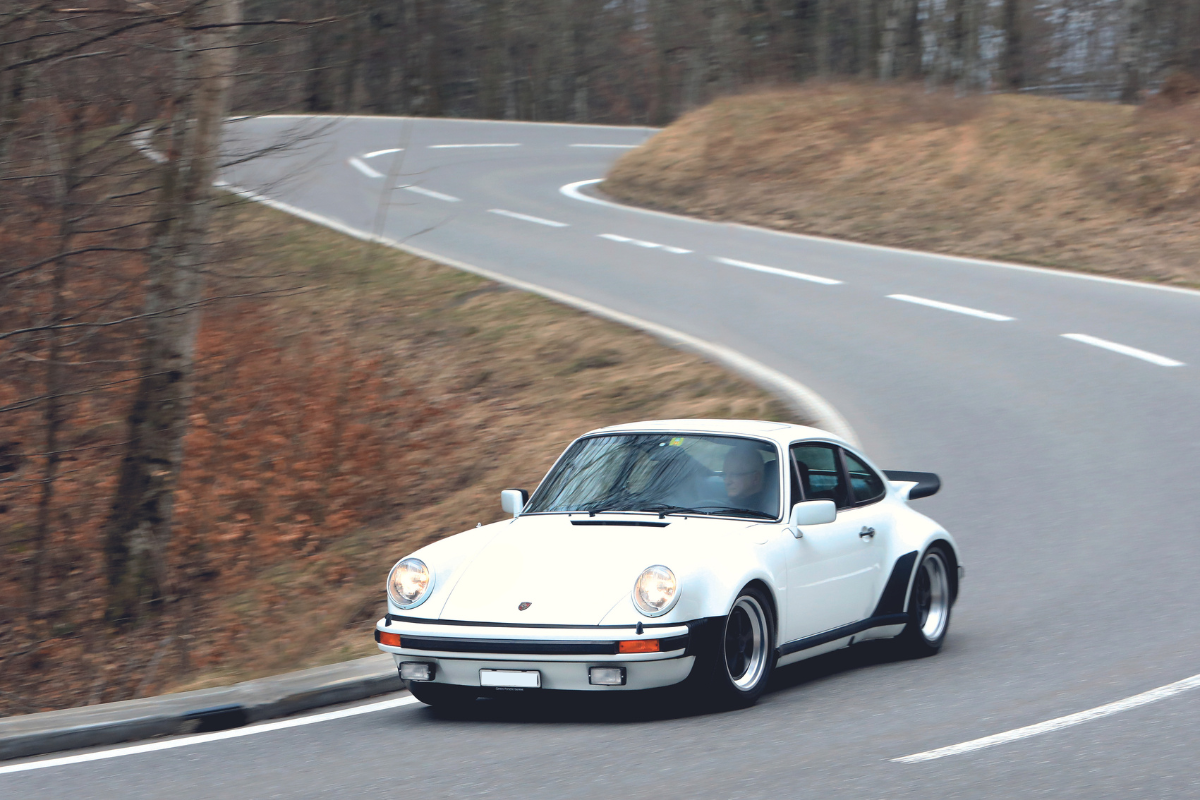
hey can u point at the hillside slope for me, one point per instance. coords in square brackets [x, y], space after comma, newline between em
[1089, 186]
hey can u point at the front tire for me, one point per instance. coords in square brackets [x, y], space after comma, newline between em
[929, 605]
[735, 674]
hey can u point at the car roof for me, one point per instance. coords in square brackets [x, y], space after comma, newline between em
[782, 432]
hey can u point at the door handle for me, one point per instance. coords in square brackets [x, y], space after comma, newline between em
[867, 533]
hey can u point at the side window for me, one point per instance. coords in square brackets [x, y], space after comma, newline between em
[864, 482]
[819, 474]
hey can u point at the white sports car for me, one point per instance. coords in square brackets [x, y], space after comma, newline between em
[659, 553]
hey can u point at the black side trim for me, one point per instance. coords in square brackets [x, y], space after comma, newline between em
[841, 633]
[892, 599]
[623, 523]
[525, 646]
[928, 484]
[427, 621]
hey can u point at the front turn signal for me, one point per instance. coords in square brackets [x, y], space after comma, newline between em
[639, 646]
[390, 639]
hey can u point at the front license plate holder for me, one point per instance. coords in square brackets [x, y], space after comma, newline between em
[511, 678]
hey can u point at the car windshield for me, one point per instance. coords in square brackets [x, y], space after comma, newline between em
[665, 473]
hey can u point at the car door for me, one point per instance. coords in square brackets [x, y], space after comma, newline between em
[832, 569]
[872, 521]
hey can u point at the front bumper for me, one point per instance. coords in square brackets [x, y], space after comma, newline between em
[562, 655]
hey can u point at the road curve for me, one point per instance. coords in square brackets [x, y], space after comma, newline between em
[1060, 411]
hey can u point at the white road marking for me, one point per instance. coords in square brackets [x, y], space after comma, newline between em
[572, 190]
[1144, 355]
[384, 152]
[430, 193]
[528, 218]
[973, 312]
[1145, 698]
[364, 169]
[613, 237]
[733, 262]
[204, 738]
[141, 140]
[621, 146]
[492, 144]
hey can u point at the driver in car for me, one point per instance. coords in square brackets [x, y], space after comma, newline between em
[744, 478]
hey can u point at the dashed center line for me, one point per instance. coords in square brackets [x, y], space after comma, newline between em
[449, 198]
[613, 237]
[528, 218]
[364, 169]
[620, 146]
[971, 312]
[1126, 350]
[486, 144]
[733, 262]
[383, 152]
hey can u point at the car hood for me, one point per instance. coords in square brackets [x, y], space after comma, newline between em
[573, 574]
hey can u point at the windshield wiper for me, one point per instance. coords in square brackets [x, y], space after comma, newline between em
[735, 510]
[662, 509]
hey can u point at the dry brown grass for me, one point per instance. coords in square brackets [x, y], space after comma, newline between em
[1087, 186]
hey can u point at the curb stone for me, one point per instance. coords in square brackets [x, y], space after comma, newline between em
[199, 710]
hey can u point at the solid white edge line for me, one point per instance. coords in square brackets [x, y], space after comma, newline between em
[733, 262]
[1137, 700]
[430, 193]
[970, 312]
[384, 152]
[203, 738]
[1123, 349]
[801, 398]
[363, 168]
[528, 218]
[572, 190]
[621, 146]
[454, 146]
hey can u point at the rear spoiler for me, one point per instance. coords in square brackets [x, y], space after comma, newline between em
[925, 483]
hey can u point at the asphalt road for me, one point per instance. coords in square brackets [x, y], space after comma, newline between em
[1070, 481]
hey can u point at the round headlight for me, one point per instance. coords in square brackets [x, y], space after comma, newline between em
[409, 582]
[656, 591]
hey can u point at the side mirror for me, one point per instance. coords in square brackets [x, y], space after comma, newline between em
[513, 500]
[811, 512]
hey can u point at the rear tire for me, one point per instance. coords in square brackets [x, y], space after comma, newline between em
[929, 605]
[735, 672]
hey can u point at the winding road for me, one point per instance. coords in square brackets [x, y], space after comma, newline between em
[1062, 412]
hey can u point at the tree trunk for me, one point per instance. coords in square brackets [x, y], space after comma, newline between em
[825, 38]
[888, 39]
[1132, 55]
[138, 529]
[64, 192]
[1012, 56]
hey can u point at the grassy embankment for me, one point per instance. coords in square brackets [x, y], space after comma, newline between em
[1096, 187]
[495, 383]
